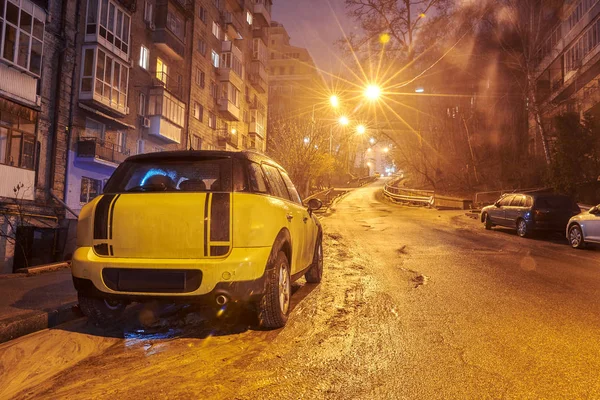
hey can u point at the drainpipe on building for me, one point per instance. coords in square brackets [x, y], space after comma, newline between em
[72, 100]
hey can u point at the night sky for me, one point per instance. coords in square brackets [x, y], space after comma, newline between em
[312, 24]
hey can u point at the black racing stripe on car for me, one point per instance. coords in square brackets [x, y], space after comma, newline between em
[219, 217]
[206, 202]
[101, 249]
[111, 213]
[101, 216]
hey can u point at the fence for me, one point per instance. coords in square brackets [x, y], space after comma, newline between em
[424, 197]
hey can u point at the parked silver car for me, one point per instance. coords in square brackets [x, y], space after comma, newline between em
[584, 228]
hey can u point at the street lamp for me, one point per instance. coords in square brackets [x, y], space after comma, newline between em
[344, 120]
[386, 149]
[372, 92]
[419, 90]
[372, 140]
[360, 129]
[335, 101]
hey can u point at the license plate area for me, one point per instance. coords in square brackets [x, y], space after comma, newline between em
[152, 280]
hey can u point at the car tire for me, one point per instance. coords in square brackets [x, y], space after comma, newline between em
[315, 273]
[487, 221]
[522, 228]
[101, 311]
[274, 306]
[576, 237]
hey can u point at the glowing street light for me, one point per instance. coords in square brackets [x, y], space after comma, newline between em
[344, 120]
[373, 92]
[369, 150]
[386, 149]
[372, 140]
[306, 140]
[335, 101]
[233, 131]
[419, 90]
[360, 129]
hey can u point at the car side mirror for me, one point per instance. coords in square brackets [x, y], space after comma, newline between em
[593, 210]
[314, 204]
[497, 204]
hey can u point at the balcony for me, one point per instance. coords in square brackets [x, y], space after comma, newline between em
[168, 82]
[256, 129]
[230, 111]
[230, 68]
[262, 34]
[95, 150]
[227, 139]
[258, 76]
[262, 12]
[171, 45]
[233, 27]
[164, 129]
[167, 116]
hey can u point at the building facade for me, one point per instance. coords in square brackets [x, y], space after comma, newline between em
[85, 84]
[568, 64]
[37, 57]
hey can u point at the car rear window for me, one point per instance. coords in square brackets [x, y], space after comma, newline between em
[193, 175]
[554, 202]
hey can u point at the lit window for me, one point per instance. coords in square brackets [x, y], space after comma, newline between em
[162, 71]
[249, 17]
[216, 30]
[144, 57]
[23, 38]
[215, 59]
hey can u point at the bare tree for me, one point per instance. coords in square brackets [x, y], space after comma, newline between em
[14, 217]
[302, 147]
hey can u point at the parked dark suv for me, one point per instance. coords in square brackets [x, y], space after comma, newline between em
[530, 212]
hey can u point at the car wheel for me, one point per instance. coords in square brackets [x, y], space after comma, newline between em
[576, 237]
[522, 229]
[487, 221]
[274, 306]
[101, 311]
[315, 273]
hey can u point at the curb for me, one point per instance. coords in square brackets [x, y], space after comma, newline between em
[22, 325]
[44, 268]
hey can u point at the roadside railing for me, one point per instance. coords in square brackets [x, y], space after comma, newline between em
[413, 196]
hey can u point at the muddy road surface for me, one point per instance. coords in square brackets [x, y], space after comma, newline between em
[415, 303]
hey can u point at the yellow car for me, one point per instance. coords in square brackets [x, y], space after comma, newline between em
[196, 226]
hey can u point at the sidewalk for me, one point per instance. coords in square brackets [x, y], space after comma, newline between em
[32, 303]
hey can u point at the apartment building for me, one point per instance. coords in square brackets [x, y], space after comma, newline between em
[229, 91]
[569, 64]
[295, 85]
[36, 59]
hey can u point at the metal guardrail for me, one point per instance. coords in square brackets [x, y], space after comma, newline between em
[408, 195]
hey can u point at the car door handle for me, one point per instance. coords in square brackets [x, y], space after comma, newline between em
[305, 219]
[289, 217]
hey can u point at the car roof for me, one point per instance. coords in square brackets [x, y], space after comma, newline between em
[250, 155]
[537, 195]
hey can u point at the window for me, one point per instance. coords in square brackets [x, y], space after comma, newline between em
[94, 129]
[148, 12]
[290, 187]
[213, 90]
[202, 46]
[257, 178]
[196, 142]
[216, 30]
[230, 93]
[109, 23]
[202, 14]
[215, 59]
[107, 77]
[142, 104]
[200, 78]
[23, 36]
[175, 25]
[17, 137]
[90, 188]
[249, 17]
[276, 184]
[518, 201]
[162, 71]
[212, 120]
[198, 111]
[228, 60]
[144, 57]
[121, 141]
[506, 200]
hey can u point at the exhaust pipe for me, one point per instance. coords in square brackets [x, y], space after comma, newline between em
[221, 300]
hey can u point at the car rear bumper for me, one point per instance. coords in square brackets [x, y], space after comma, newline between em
[239, 277]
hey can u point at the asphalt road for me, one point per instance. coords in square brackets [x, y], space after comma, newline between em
[415, 303]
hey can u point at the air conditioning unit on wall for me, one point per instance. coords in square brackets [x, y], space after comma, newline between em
[145, 122]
